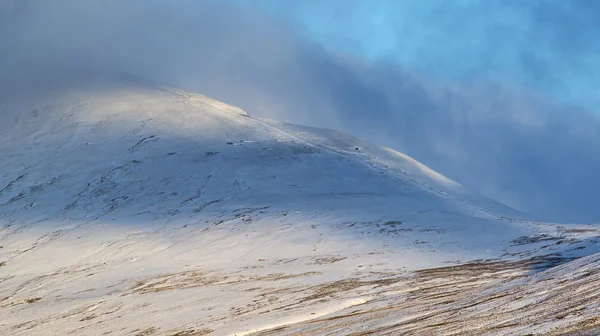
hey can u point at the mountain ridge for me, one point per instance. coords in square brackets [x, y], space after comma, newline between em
[180, 212]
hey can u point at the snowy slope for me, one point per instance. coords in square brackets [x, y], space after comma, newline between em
[135, 209]
[477, 299]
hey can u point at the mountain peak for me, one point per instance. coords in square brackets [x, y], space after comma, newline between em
[130, 192]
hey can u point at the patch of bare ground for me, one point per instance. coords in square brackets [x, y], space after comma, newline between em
[332, 288]
[175, 281]
[145, 332]
[192, 332]
[193, 279]
[480, 298]
[587, 327]
[328, 260]
[578, 230]
[28, 300]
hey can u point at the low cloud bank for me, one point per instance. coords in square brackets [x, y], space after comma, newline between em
[504, 141]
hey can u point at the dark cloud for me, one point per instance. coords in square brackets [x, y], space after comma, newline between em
[505, 142]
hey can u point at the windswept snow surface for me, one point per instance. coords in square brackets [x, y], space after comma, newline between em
[136, 210]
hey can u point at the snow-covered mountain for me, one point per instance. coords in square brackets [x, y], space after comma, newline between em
[132, 209]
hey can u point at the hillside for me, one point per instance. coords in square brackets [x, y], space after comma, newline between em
[131, 209]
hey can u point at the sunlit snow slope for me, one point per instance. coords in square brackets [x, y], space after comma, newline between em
[136, 210]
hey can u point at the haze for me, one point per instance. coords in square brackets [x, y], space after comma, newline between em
[512, 119]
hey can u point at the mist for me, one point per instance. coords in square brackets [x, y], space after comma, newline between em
[510, 140]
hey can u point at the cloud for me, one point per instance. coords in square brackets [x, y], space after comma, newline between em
[509, 142]
[548, 44]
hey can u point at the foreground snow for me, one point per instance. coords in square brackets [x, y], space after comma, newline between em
[493, 298]
[130, 209]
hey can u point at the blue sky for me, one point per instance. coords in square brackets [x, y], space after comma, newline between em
[547, 45]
